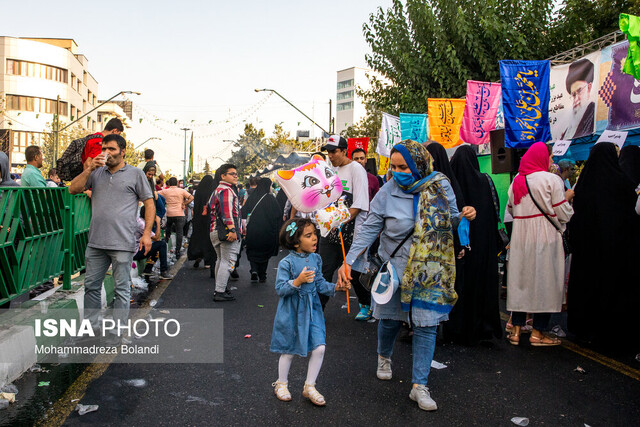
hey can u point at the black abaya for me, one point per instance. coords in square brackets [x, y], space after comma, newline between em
[200, 246]
[476, 315]
[604, 232]
[264, 219]
[630, 163]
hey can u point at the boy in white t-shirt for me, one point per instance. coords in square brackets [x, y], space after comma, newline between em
[355, 186]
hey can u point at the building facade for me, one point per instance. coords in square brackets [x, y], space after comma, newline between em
[350, 108]
[34, 72]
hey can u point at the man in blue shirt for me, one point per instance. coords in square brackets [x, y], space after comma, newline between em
[31, 177]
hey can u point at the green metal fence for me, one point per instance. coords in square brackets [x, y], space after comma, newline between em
[43, 234]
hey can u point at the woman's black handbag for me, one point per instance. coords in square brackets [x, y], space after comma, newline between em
[565, 241]
[375, 262]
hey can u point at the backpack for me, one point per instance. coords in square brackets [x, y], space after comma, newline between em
[69, 165]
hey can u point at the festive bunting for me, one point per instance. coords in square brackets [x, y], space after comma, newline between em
[480, 111]
[414, 127]
[445, 119]
[354, 143]
[389, 134]
[525, 99]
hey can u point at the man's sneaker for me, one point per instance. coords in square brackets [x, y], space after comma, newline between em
[365, 312]
[223, 296]
[263, 280]
[254, 277]
[165, 275]
[421, 395]
[384, 368]
[234, 275]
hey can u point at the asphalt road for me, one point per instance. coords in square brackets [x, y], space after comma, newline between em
[483, 385]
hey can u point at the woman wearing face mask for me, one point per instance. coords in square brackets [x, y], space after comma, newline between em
[420, 203]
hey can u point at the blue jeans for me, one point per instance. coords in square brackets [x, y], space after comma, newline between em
[97, 263]
[424, 345]
[157, 247]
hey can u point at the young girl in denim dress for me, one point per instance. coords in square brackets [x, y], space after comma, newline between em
[298, 327]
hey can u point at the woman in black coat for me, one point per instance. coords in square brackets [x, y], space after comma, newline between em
[264, 219]
[200, 247]
[476, 315]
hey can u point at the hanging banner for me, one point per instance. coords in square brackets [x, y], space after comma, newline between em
[573, 96]
[353, 143]
[384, 166]
[619, 94]
[480, 111]
[525, 99]
[445, 119]
[389, 134]
[414, 127]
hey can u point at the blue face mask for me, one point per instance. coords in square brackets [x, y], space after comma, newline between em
[403, 179]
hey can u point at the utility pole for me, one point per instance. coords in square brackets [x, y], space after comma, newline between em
[330, 113]
[57, 132]
[184, 170]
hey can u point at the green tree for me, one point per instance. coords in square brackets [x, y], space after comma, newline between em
[251, 153]
[280, 142]
[207, 168]
[430, 48]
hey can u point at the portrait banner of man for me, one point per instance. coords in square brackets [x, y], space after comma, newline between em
[573, 96]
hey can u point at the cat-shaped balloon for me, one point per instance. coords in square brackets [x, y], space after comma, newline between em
[311, 186]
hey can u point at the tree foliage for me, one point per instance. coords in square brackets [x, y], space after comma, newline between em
[430, 48]
[253, 151]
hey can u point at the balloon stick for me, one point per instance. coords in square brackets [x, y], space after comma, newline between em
[346, 268]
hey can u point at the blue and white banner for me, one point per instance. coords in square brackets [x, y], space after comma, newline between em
[525, 99]
[414, 127]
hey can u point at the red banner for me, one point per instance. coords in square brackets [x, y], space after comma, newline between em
[354, 143]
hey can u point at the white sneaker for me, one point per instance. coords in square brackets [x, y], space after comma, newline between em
[384, 368]
[421, 395]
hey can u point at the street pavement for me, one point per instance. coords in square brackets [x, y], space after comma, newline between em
[482, 385]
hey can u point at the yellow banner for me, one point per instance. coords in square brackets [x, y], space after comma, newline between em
[384, 165]
[445, 119]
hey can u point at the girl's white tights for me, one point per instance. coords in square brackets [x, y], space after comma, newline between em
[315, 363]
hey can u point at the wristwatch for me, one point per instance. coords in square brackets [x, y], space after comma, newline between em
[232, 230]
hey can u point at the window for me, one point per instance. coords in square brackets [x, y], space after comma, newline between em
[21, 140]
[37, 105]
[345, 84]
[345, 106]
[345, 95]
[34, 69]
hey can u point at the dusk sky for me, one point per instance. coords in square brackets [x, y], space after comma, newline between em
[202, 61]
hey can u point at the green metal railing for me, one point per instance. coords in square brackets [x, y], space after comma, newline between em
[43, 234]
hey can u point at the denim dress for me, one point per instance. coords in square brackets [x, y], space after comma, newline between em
[298, 327]
[391, 215]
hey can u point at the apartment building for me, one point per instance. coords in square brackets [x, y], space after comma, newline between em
[349, 106]
[39, 76]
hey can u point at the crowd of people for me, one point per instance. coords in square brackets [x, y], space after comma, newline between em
[571, 245]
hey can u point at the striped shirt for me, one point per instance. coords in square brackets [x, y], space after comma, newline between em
[226, 201]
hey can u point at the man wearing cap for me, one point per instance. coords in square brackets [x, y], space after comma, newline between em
[579, 83]
[355, 186]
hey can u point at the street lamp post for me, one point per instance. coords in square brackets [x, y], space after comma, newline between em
[297, 109]
[184, 168]
[58, 129]
[140, 145]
